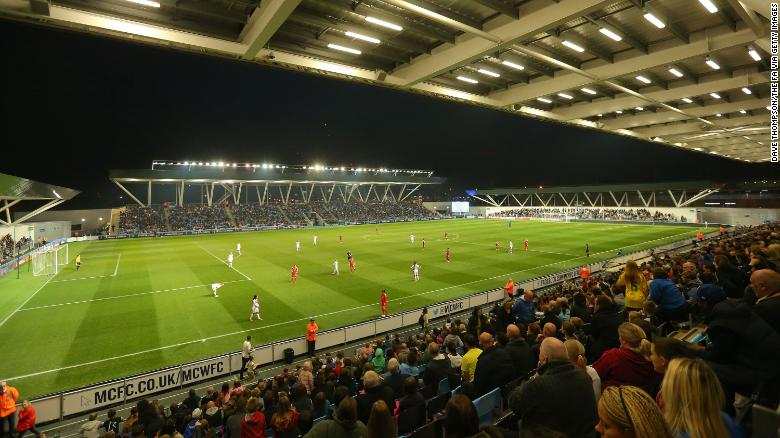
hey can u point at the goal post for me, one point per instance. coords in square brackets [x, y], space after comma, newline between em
[47, 261]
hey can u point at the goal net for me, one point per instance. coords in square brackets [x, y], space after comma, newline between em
[47, 261]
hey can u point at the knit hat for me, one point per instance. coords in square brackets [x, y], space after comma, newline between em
[196, 413]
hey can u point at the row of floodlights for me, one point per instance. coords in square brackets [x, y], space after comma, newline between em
[278, 166]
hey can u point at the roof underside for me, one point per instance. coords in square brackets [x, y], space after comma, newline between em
[511, 54]
[272, 176]
[680, 185]
[14, 188]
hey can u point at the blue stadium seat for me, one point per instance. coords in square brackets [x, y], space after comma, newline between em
[444, 386]
[456, 391]
[487, 405]
[317, 420]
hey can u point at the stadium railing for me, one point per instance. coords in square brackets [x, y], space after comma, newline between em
[118, 391]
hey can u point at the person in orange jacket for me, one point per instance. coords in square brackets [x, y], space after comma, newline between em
[26, 421]
[311, 335]
[8, 397]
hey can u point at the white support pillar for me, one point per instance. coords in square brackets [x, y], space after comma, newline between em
[128, 193]
[492, 201]
[411, 192]
[181, 194]
[702, 194]
[259, 199]
[287, 198]
[331, 192]
[265, 194]
[674, 200]
[400, 194]
[646, 203]
[149, 195]
[544, 204]
[614, 199]
[387, 189]
[237, 196]
[311, 192]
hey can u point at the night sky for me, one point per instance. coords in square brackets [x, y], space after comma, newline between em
[75, 106]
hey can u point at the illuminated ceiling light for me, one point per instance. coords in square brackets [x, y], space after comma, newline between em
[639, 108]
[221, 164]
[566, 96]
[619, 112]
[709, 5]
[719, 115]
[146, 3]
[200, 164]
[544, 99]
[344, 49]
[715, 95]
[489, 73]
[235, 165]
[572, 46]
[384, 23]
[513, 65]
[187, 163]
[469, 80]
[699, 149]
[610, 34]
[342, 168]
[746, 90]
[643, 79]
[653, 19]
[588, 90]
[742, 111]
[687, 100]
[676, 72]
[362, 37]
[754, 54]
[713, 65]
[601, 115]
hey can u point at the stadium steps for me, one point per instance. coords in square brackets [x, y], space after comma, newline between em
[229, 213]
[320, 219]
[115, 215]
[284, 215]
[166, 222]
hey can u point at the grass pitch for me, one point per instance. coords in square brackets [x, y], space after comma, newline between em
[141, 304]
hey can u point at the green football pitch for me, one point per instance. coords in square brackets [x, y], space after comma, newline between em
[142, 304]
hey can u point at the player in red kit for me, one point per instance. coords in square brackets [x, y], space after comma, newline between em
[383, 300]
[294, 273]
[448, 255]
[352, 267]
[526, 244]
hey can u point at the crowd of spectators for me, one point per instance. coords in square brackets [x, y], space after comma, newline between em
[587, 358]
[8, 248]
[257, 215]
[140, 220]
[377, 211]
[296, 212]
[616, 214]
[198, 217]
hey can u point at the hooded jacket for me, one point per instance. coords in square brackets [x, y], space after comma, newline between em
[336, 428]
[621, 366]
[740, 337]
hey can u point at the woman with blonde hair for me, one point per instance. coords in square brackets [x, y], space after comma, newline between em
[628, 412]
[629, 364]
[635, 286]
[576, 352]
[694, 399]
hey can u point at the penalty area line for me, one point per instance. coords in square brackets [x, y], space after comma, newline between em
[116, 268]
[224, 262]
[25, 302]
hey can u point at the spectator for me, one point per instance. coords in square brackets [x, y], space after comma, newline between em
[91, 427]
[576, 352]
[253, 424]
[411, 397]
[469, 362]
[670, 301]
[320, 406]
[766, 285]
[478, 322]
[453, 338]
[580, 308]
[344, 424]
[519, 351]
[606, 321]
[524, 308]
[694, 399]
[379, 360]
[233, 416]
[346, 379]
[210, 395]
[461, 418]
[438, 368]
[190, 431]
[395, 380]
[213, 415]
[539, 400]
[627, 411]
[374, 390]
[301, 400]
[380, 423]
[455, 358]
[306, 378]
[629, 364]
[731, 279]
[112, 424]
[27, 421]
[504, 317]
[494, 366]
[285, 421]
[8, 397]
[634, 285]
[192, 401]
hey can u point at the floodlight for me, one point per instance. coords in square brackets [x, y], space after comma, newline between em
[715, 95]
[639, 108]
[344, 49]
[754, 54]
[742, 111]
[146, 3]
[619, 112]
[572, 46]
[719, 115]
[384, 23]
[362, 37]
[746, 90]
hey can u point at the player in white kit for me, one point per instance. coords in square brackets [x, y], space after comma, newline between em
[214, 287]
[315, 240]
[230, 260]
[411, 238]
[238, 248]
[415, 271]
[335, 267]
[511, 247]
[297, 246]
[255, 309]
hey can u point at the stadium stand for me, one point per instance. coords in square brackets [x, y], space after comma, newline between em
[8, 248]
[623, 214]
[731, 289]
[140, 220]
[257, 215]
[198, 217]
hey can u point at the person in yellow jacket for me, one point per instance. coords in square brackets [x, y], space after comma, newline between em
[636, 286]
[8, 397]
[78, 261]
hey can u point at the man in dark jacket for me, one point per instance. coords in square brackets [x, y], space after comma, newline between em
[494, 367]
[395, 380]
[604, 329]
[192, 401]
[519, 351]
[524, 308]
[560, 397]
[438, 367]
[766, 285]
[374, 390]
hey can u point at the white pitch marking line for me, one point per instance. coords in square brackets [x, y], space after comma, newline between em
[81, 278]
[25, 301]
[116, 268]
[166, 347]
[47, 306]
[224, 262]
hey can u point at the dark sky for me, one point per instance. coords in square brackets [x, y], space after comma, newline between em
[75, 106]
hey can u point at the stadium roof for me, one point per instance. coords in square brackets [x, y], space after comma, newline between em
[14, 189]
[691, 74]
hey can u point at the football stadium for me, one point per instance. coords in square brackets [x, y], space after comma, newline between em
[384, 218]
